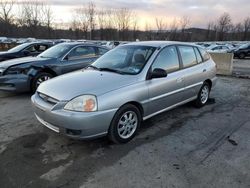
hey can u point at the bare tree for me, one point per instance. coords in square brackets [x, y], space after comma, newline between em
[160, 24]
[31, 13]
[246, 26]
[173, 29]
[6, 14]
[48, 18]
[184, 23]
[123, 18]
[91, 11]
[101, 21]
[80, 20]
[224, 24]
[135, 26]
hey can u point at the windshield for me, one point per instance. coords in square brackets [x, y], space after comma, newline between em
[56, 51]
[243, 46]
[125, 59]
[19, 48]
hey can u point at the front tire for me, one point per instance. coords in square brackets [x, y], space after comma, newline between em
[203, 95]
[125, 124]
[39, 78]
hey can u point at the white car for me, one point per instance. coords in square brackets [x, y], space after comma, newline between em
[218, 48]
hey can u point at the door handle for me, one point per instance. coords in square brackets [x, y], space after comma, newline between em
[179, 80]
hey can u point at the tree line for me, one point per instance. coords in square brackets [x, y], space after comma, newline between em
[33, 18]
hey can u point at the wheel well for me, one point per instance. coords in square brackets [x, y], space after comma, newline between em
[47, 70]
[138, 105]
[209, 82]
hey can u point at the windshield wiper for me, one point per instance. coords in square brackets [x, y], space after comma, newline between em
[111, 70]
[93, 67]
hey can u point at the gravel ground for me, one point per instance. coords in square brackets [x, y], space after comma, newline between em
[185, 147]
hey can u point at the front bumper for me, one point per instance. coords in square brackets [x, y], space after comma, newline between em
[78, 125]
[15, 83]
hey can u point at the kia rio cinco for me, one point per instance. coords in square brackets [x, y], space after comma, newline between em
[127, 85]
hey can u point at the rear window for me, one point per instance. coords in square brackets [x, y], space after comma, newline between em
[198, 55]
[204, 54]
[188, 56]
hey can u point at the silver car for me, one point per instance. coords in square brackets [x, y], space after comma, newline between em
[127, 85]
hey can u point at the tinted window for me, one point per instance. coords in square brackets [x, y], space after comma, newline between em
[167, 60]
[82, 52]
[205, 56]
[42, 48]
[102, 51]
[188, 56]
[198, 55]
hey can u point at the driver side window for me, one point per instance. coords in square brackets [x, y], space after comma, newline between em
[82, 52]
[167, 60]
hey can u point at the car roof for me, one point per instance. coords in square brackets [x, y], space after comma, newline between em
[82, 43]
[159, 43]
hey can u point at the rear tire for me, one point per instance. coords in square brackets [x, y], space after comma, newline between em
[39, 78]
[125, 124]
[203, 95]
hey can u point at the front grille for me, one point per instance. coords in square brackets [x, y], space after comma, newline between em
[48, 99]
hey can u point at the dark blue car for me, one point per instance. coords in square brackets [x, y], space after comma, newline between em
[24, 50]
[26, 74]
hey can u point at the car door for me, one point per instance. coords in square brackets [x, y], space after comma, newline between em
[78, 58]
[165, 92]
[194, 71]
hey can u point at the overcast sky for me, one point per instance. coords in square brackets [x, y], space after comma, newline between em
[200, 12]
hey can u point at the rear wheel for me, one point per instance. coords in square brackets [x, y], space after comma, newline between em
[40, 78]
[203, 95]
[125, 124]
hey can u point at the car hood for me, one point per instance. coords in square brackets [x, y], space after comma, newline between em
[71, 85]
[19, 61]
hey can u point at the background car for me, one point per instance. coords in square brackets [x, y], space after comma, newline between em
[130, 83]
[24, 50]
[218, 48]
[26, 74]
[243, 51]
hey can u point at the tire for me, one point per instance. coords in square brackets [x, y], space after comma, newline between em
[125, 124]
[242, 55]
[38, 79]
[203, 95]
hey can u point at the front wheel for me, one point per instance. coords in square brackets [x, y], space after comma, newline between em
[203, 95]
[39, 78]
[125, 124]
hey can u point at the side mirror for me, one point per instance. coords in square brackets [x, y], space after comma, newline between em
[158, 73]
[26, 52]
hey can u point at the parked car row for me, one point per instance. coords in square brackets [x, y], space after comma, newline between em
[240, 50]
[26, 74]
[129, 84]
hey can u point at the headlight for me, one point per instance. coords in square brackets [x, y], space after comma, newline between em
[84, 103]
[17, 70]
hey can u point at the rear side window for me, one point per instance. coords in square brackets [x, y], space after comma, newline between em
[82, 52]
[198, 55]
[204, 54]
[167, 60]
[188, 56]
